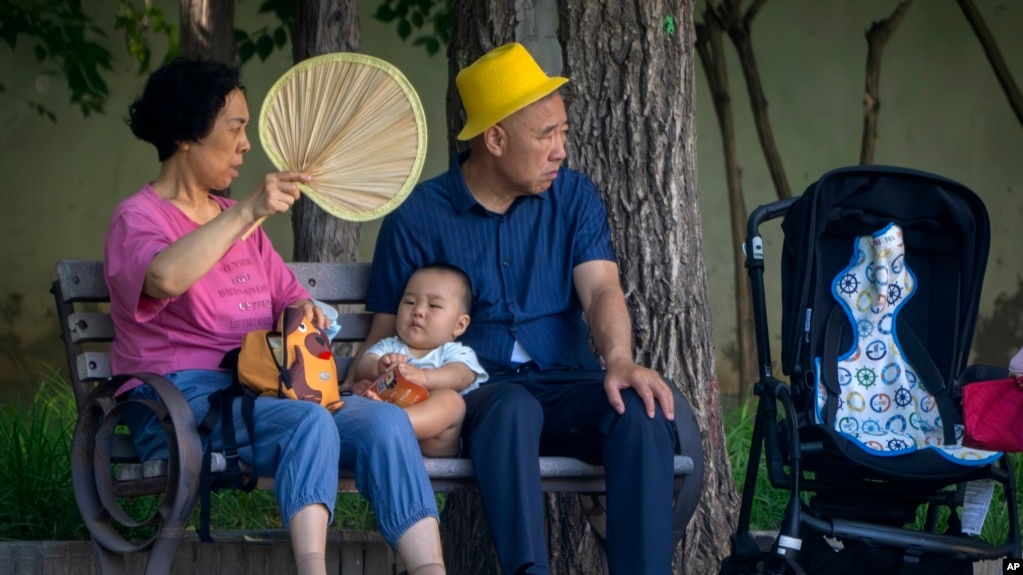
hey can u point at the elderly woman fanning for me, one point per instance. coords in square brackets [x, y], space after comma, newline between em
[184, 290]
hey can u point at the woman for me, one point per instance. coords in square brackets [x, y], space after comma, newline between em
[184, 290]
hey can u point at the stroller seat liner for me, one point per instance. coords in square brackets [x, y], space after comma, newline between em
[882, 405]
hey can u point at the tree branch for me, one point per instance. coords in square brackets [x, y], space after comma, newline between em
[739, 32]
[747, 19]
[711, 50]
[877, 37]
[994, 55]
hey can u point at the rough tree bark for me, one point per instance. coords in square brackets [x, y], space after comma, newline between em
[877, 37]
[632, 111]
[324, 26]
[207, 30]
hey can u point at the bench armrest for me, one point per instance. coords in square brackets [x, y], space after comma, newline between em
[92, 459]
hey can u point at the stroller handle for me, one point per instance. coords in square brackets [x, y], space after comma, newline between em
[767, 212]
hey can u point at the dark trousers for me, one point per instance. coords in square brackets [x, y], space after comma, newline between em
[516, 416]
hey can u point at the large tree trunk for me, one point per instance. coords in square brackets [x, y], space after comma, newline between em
[207, 30]
[324, 26]
[632, 113]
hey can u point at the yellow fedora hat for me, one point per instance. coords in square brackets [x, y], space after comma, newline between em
[500, 83]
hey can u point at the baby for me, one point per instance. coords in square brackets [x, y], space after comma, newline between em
[433, 312]
[1016, 365]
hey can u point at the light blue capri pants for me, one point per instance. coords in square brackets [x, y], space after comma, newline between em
[302, 445]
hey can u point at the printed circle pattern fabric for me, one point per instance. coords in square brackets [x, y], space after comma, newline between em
[883, 406]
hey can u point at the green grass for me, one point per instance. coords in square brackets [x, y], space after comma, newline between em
[36, 501]
[769, 503]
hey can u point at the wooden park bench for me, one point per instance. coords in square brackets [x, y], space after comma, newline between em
[106, 469]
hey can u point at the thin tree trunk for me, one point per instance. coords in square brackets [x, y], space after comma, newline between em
[207, 30]
[710, 46]
[877, 37]
[739, 32]
[324, 26]
[631, 108]
[994, 55]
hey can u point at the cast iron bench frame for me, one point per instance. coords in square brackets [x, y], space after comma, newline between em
[104, 463]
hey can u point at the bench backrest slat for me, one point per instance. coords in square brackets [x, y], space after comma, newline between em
[82, 280]
[334, 283]
[86, 327]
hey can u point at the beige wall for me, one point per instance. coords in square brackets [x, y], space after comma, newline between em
[942, 111]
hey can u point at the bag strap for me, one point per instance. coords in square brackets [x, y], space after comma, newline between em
[283, 377]
[926, 371]
[222, 410]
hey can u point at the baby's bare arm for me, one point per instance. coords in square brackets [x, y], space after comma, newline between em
[455, 375]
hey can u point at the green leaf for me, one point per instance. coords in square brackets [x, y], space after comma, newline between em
[429, 43]
[40, 53]
[245, 51]
[280, 37]
[264, 47]
[384, 13]
[404, 29]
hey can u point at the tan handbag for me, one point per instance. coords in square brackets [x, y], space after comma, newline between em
[295, 362]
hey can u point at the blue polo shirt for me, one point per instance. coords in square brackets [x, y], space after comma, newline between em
[520, 263]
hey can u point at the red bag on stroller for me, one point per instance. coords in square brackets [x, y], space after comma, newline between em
[993, 414]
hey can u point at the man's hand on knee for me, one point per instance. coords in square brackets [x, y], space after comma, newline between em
[647, 383]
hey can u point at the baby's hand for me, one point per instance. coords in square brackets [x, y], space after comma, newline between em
[413, 373]
[364, 388]
[390, 361]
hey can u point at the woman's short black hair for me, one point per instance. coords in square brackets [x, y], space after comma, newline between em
[180, 103]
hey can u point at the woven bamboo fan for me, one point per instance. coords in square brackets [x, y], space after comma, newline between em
[355, 124]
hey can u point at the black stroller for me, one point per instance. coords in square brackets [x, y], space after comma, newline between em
[881, 277]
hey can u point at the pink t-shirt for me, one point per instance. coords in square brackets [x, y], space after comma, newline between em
[245, 291]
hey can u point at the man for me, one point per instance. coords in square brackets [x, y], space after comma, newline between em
[534, 239]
